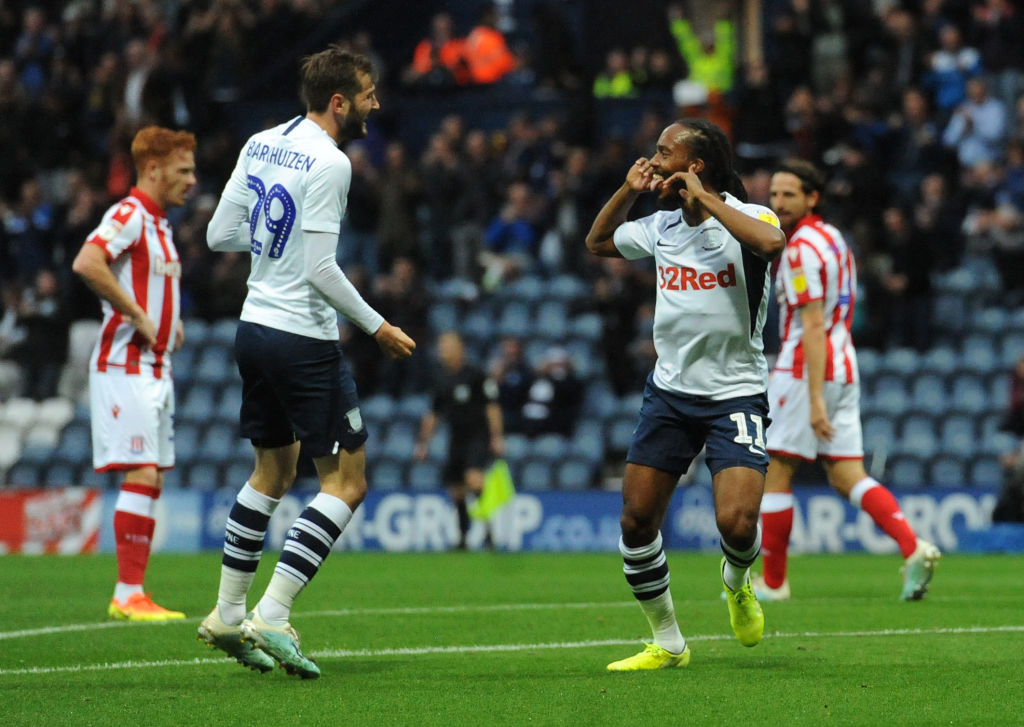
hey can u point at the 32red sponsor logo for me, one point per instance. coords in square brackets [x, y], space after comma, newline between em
[671, 277]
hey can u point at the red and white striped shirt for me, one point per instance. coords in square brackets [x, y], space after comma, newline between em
[136, 237]
[817, 265]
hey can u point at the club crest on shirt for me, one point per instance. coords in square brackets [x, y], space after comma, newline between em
[711, 238]
[136, 444]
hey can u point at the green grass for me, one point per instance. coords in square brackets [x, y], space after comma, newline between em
[388, 631]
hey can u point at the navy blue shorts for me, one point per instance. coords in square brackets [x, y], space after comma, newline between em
[673, 428]
[296, 388]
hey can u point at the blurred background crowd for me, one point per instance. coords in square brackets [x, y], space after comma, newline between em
[504, 126]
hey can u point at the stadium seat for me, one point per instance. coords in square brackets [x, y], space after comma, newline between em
[900, 361]
[949, 312]
[195, 332]
[940, 361]
[478, 326]
[892, 403]
[387, 474]
[567, 288]
[183, 365]
[517, 447]
[906, 472]
[42, 435]
[1016, 320]
[173, 481]
[998, 443]
[186, 442]
[958, 436]
[25, 474]
[928, 394]
[535, 476]
[575, 474]
[527, 288]
[55, 412]
[868, 361]
[399, 443]
[88, 477]
[515, 320]
[587, 326]
[947, 471]
[37, 455]
[550, 447]
[998, 386]
[878, 433]
[985, 472]
[19, 412]
[203, 476]
[979, 355]
[1011, 349]
[425, 476]
[917, 437]
[413, 406]
[991, 320]
[968, 396]
[199, 405]
[599, 401]
[588, 442]
[377, 408]
[215, 366]
[443, 316]
[10, 445]
[61, 474]
[552, 322]
[229, 405]
[237, 472]
[587, 361]
[886, 384]
[619, 434]
[217, 444]
[222, 333]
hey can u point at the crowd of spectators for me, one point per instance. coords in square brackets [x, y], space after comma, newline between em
[915, 109]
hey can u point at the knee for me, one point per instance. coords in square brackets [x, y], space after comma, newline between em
[738, 526]
[637, 528]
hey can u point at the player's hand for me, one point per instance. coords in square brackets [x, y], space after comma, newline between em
[822, 427]
[144, 329]
[689, 186]
[179, 336]
[393, 341]
[641, 176]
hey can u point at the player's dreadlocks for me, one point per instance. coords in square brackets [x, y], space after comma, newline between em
[712, 145]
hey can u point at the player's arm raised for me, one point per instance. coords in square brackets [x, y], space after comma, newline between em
[600, 239]
[763, 238]
[323, 273]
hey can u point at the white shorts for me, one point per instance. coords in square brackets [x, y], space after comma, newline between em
[132, 421]
[790, 433]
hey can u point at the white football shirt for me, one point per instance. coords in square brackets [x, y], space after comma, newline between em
[711, 303]
[291, 179]
[817, 265]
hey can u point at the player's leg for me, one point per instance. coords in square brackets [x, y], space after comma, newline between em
[646, 492]
[776, 526]
[130, 420]
[848, 478]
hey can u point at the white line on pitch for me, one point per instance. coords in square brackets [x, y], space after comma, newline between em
[501, 648]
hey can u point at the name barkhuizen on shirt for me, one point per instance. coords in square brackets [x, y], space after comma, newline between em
[280, 157]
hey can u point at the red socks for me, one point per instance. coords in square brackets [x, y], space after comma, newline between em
[776, 524]
[879, 503]
[133, 530]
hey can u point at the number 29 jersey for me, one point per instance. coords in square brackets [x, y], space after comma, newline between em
[711, 303]
[292, 179]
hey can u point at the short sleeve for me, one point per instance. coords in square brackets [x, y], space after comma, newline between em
[119, 230]
[634, 240]
[801, 274]
[326, 195]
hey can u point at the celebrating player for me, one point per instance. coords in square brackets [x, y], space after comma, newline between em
[814, 391]
[131, 263]
[708, 385]
[284, 203]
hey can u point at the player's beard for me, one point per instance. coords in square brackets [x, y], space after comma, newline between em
[353, 125]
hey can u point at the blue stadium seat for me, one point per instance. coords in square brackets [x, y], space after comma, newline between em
[1011, 349]
[550, 447]
[438, 449]
[587, 326]
[222, 333]
[61, 474]
[527, 288]
[599, 401]
[215, 366]
[173, 479]
[377, 408]
[217, 444]
[183, 366]
[1016, 320]
[399, 443]
[535, 476]
[928, 394]
[230, 404]
[76, 443]
[979, 355]
[917, 436]
[900, 361]
[88, 477]
[26, 474]
[588, 441]
[949, 312]
[958, 436]
[202, 475]
[868, 361]
[186, 442]
[575, 474]
[412, 406]
[997, 444]
[515, 320]
[878, 433]
[425, 476]
[237, 472]
[985, 472]
[947, 471]
[990, 320]
[36, 455]
[587, 361]
[619, 433]
[479, 326]
[968, 396]
[552, 320]
[387, 474]
[999, 391]
[906, 472]
[568, 288]
[940, 361]
[199, 406]
[443, 316]
[892, 403]
[195, 333]
[517, 447]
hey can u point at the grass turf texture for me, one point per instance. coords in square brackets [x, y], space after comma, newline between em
[473, 639]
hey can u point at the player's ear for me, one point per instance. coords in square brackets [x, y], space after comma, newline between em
[339, 104]
[697, 166]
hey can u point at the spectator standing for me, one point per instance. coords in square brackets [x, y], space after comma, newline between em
[514, 376]
[554, 397]
[438, 60]
[978, 127]
[486, 52]
[44, 317]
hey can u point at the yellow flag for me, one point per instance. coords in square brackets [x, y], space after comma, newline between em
[497, 492]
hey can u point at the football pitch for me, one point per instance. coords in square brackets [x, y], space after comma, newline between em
[518, 639]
